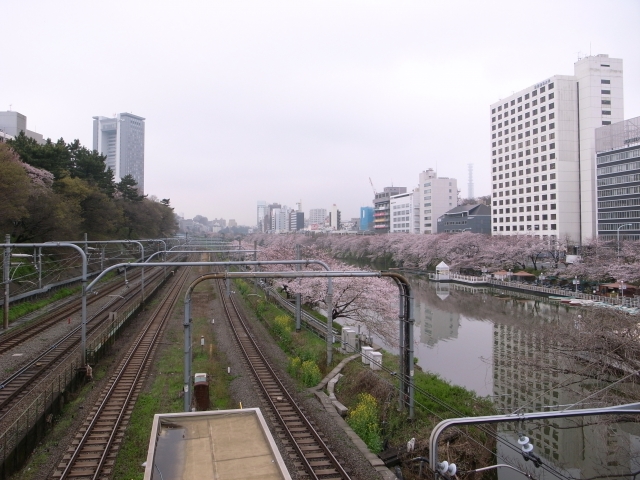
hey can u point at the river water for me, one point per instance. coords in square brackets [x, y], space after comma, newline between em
[475, 338]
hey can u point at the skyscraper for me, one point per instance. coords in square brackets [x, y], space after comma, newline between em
[543, 151]
[121, 140]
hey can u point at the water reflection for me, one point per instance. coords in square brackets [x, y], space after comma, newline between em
[481, 339]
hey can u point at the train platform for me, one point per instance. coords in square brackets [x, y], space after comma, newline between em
[217, 444]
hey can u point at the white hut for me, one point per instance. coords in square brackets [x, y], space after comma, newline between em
[442, 271]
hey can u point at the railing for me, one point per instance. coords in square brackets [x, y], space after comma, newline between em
[311, 322]
[470, 279]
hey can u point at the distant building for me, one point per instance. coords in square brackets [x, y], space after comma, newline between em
[317, 218]
[618, 180]
[232, 223]
[543, 151]
[473, 218]
[296, 221]
[402, 212]
[121, 140]
[437, 195]
[261, 214]
[334, 218]
[381, 207]
[366, 219]
[12, 123]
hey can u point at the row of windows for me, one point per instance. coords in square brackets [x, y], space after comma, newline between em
[527, 124]
[536, 218]
[625, 167]
[552, 166]
[634, 177]
[613, 192]
[615, 157]
[613, 215]
[522, 181]
[615, 226]
[627, 202]
[536, 208]
[553, 226]
[526, 107]
[543, 158]
[607, 238]
[536, 198]
[535, 150]
[536, 188]
[526, 97]
[552, 176]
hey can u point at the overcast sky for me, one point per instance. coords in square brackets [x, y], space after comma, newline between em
[289, 101]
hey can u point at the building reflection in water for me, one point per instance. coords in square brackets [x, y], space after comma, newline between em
[466, 331]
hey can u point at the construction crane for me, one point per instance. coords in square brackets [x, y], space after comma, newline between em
[374, 188]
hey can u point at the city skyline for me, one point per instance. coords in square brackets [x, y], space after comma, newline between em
[301, 102]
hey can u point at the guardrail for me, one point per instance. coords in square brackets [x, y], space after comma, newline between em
[311, 322]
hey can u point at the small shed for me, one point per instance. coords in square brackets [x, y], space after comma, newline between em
[501, 275]
[522, 275]
[627, 291]
[443, 271]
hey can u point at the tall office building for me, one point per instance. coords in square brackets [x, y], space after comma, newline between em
[121, 140]
[436, 196]
[261, 213]
[543, 151]
[618, 180]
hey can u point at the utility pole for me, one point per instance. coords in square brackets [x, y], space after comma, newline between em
[5, 269]
[298, 312]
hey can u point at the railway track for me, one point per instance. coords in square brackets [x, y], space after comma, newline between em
[94, 449]
[19, 383]
[19, 335]
[313, 455]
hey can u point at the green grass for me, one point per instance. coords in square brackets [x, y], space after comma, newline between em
[18, 310]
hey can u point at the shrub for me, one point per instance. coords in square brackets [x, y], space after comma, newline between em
[364, 421]
[310, 373]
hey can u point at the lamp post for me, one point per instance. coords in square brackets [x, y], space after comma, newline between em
[622, 288]
[542, 278]
[576, 282]
[618, 234]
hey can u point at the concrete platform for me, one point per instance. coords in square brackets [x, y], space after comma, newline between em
[219, 445]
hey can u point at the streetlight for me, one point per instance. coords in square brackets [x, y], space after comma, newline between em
[622, 288]
[576, 282]
[618, 234]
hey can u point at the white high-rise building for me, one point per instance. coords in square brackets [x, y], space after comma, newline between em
[543, 151]
[261, 213]
[436, 196]
[121, 140]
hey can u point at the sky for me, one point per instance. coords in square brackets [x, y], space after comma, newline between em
[288, 101]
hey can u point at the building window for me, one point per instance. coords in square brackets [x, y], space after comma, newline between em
[605, 92]
[605, 82]
[606, 112]
[606, 122]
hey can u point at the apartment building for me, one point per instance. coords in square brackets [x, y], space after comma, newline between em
[436, 196]
[404, 215]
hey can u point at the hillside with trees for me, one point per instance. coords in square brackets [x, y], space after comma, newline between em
[59, 191]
